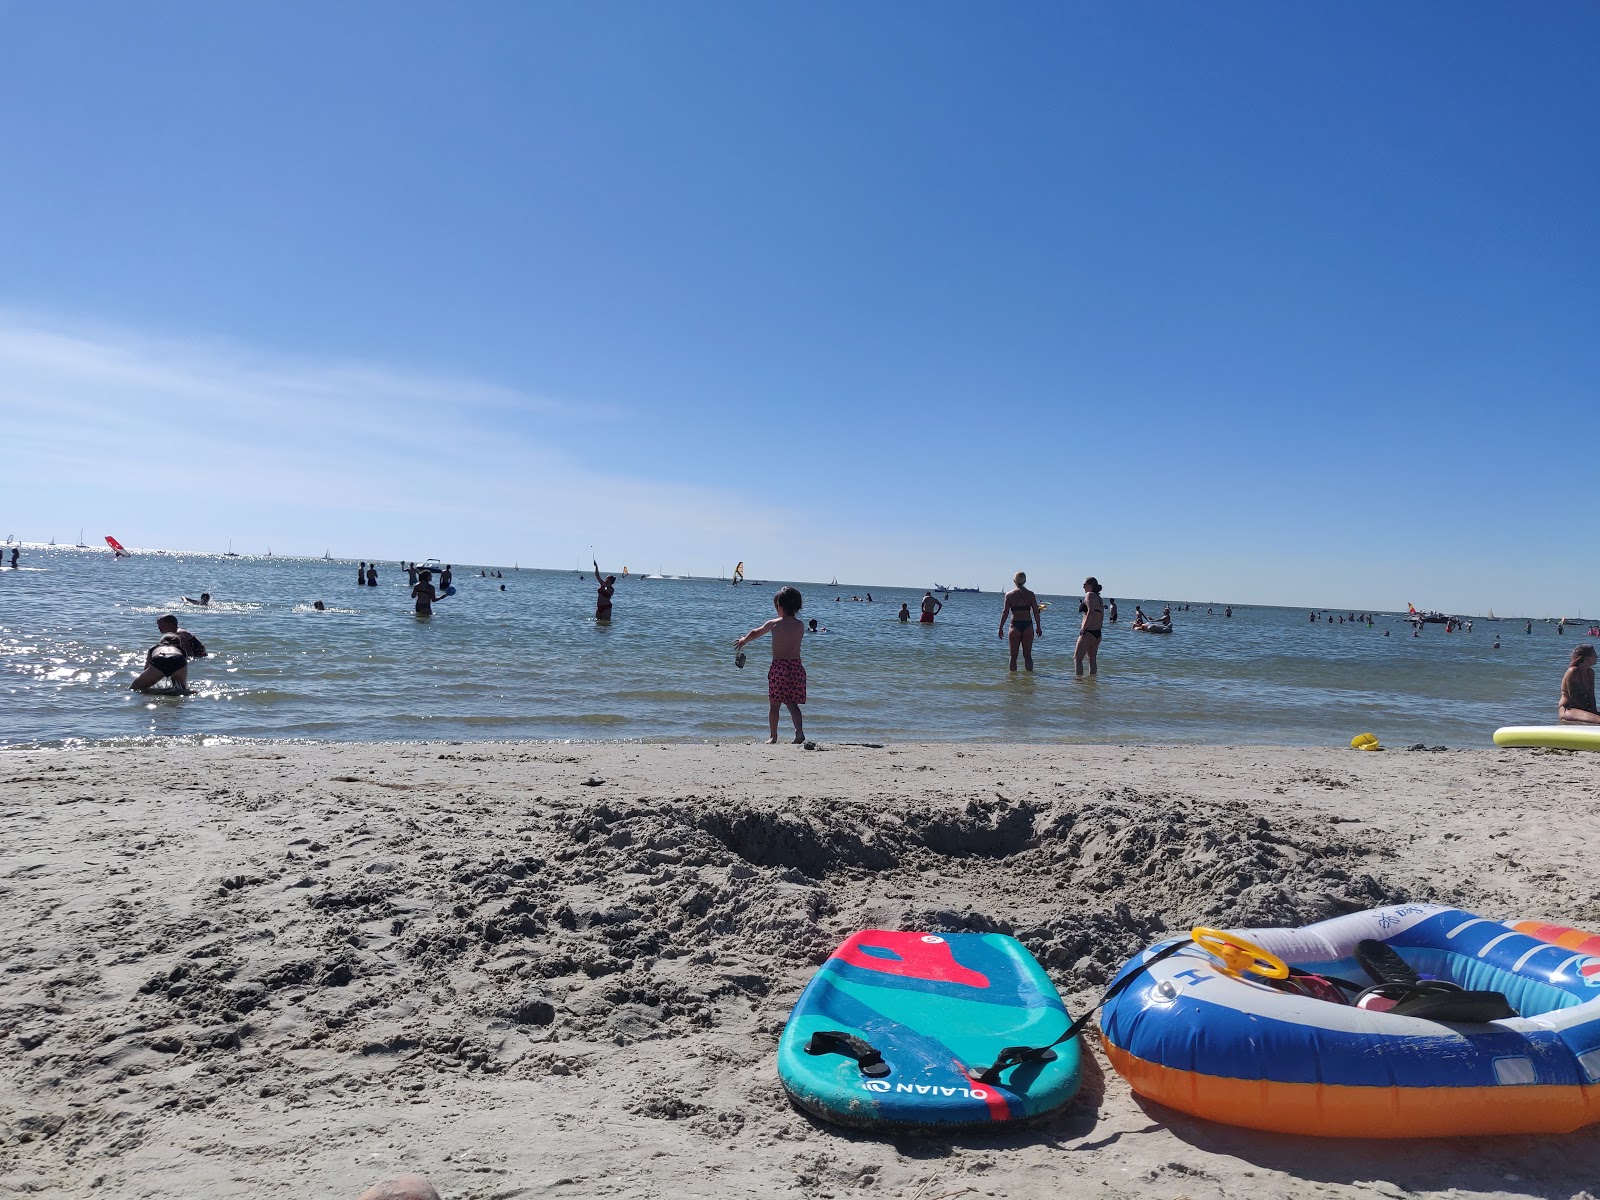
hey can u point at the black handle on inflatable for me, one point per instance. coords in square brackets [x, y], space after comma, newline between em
[1013, 1056]
[837, 1041]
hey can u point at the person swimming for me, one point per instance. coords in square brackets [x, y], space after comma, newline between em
[205, 599]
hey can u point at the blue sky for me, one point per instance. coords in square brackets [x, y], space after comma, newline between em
[1239, 301]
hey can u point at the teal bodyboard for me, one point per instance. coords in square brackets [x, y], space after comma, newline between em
[938, 1009]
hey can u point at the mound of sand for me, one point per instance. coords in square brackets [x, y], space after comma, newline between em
[493, 968]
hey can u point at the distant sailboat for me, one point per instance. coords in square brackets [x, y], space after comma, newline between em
[326, 555]
[269, 551]
[82, 545]
[230, 553]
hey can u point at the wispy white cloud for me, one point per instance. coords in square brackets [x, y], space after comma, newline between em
[308, 453]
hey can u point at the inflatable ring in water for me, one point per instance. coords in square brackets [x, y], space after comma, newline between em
[1236, 1049]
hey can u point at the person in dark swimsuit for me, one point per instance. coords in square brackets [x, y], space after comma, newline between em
[164, 660]
[372, 575]
[603, 594]
[1577, 705]
[361, 575]
[424, 594]
[1093, 611]
[1022, 606]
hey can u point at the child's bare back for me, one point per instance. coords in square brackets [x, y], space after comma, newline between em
[786, 680]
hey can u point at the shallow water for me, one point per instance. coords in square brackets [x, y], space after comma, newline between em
[530, 662]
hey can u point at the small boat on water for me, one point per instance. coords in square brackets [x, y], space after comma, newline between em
[939, 587]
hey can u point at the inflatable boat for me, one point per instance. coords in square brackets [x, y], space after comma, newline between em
[1410, 1021]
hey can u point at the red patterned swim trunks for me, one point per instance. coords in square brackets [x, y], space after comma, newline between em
[786, 681]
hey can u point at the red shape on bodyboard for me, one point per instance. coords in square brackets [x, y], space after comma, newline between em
[917, 956]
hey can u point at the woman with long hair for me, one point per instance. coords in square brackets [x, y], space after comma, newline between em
[1094, 615]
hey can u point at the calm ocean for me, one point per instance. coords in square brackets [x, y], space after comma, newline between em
[530, 662]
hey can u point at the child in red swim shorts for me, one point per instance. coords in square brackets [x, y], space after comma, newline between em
[786, 678]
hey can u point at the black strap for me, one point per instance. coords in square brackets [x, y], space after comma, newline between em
[837, 1041]
[1381, 961]
[1013, 1056]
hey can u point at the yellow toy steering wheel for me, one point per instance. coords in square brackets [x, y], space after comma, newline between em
[1238, 956]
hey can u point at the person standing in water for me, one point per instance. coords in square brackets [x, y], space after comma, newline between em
[1577, 705]
[904, 614]
[424, 593]
[1112, 614]
[1022, 606]
[372, 574]
[931, 607]
[411, 574]
[603, 594]
[361, 575]
[786, 677]
[1093, 611]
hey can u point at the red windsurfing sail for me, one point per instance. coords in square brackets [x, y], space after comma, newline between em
[116, 547]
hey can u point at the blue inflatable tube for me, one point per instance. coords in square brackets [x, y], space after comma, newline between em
[1194, 1036]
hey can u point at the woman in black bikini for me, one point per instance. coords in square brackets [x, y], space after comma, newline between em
[164, 660]
[1022, 606]
[1089, 631]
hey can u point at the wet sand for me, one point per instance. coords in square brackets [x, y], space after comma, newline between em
[560, 970]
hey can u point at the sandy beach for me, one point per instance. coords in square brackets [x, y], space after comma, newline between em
[543, 969]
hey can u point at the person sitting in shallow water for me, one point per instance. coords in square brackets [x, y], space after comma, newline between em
[1577, 705]
[164, 660]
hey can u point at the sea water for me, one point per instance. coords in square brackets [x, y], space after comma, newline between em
[531, 662]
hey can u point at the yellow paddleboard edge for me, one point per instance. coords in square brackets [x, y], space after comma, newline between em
[1558, 737]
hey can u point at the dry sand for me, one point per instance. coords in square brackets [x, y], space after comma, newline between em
[554, 970]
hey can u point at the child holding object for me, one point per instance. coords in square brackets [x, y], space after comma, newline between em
[786, 678]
